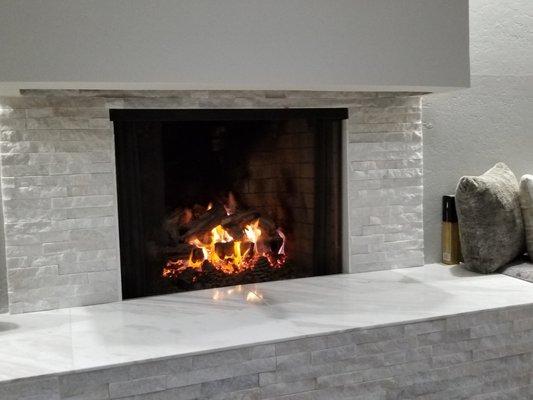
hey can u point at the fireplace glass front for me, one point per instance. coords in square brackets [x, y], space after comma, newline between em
[212, 198]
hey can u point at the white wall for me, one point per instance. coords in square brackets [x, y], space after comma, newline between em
[234, 44]
[470, 130]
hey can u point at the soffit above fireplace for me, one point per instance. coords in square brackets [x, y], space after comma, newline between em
[378, 45]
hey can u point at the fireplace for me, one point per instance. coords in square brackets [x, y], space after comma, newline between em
[212, 198]
[60, 197]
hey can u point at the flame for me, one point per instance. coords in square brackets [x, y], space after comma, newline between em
[253, 232]
[220, 235]
[230, 260]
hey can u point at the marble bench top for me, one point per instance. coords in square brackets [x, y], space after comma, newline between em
[83, 338]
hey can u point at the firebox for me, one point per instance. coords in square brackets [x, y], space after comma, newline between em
[212, 198]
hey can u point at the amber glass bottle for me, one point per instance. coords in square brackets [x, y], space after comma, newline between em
[451, 245]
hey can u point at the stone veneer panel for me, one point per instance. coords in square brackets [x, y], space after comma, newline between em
[477, 356]
[59, 194]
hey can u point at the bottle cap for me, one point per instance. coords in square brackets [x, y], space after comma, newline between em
[449, 213]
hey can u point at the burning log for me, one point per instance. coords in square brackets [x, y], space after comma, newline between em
[236, 223]
[267, 226]
[224, 249]
[274, 244]
[198, 210]
[178, 222]
[197, 255]
[235, 232]
[206, 222]
[239, 219]
[247, 249]
[180, 251]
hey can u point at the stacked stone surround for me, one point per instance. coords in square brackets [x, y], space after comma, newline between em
[59, 189]
[477, 356]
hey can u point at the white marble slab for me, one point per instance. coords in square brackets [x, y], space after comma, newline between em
[89, 337]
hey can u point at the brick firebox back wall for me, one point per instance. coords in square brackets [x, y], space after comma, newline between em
[59, 189]
[280, 184]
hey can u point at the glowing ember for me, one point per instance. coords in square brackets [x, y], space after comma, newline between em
[219, 249]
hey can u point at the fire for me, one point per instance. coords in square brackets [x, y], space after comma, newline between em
[228, 254]
[220, 235]
[253, 232]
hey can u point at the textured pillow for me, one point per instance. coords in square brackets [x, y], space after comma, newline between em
[490, 219]
[526, 201]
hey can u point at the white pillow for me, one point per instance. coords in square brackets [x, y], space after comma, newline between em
[526, 202]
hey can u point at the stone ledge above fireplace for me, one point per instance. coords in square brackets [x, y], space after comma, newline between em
[59, 186]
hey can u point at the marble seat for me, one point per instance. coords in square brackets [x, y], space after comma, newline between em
[194, 327]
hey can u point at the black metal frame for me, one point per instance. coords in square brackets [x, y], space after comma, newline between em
[329, 126]
[328, 260]
[225, 114]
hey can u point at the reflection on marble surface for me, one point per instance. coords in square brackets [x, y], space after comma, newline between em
[202, 321]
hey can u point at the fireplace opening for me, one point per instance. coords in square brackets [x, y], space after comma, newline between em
[212, 198]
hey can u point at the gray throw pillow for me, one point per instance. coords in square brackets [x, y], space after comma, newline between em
[490, 220]
[526, 201]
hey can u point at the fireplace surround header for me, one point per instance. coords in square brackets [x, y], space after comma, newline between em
[59, 197]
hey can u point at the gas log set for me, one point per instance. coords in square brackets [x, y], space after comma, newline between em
[223, 244]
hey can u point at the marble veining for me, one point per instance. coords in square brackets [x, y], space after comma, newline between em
[83, 338]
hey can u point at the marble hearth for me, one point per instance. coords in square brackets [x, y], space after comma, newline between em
[366, 336]
[59, 199]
